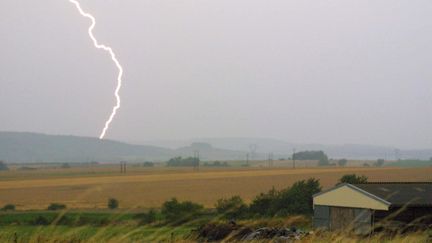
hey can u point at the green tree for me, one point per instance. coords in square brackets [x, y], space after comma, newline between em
[3, 166]
[353, 179]
[309, 155]
[113, 203]
[322, 158]
[148, 164]
[379, 163]
[342, 162]
[179, 161]
[323, 161]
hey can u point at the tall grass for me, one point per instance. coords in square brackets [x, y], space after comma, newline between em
[129, 230]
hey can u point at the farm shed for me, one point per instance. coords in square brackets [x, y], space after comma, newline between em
[360, 206]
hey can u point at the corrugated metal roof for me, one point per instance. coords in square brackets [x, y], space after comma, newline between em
[401, 193]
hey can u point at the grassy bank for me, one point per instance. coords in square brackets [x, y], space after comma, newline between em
[113, 233]
[126, 234]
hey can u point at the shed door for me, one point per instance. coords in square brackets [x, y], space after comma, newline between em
[341, 218]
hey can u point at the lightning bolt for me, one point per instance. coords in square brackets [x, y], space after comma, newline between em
[114, 59]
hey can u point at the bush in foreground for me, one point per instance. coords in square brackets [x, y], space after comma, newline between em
[232, 208]
[41, 220]
[147, 218]
[298, 198]
[293, 200]
[264, 204]
[173, 210]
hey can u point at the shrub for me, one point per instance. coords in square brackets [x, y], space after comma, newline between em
[232, 208]
[147, 218]
[342, 162]
[175, 210]
[263, 204]
[353, 179]
[217, 164]
[9, 207]
[26, 168]
[56, 206]
[40, 220]
[65, 220]
[323, 161]
[113, 203]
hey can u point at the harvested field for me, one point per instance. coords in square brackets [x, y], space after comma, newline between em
[150, 187]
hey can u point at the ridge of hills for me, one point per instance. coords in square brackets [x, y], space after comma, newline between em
[27, 147]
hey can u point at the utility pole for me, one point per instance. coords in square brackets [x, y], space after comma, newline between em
[247, 159]
[397, 154]
[270, 159]
[123, 167]
[293, 157]
[253, 148]
[196, 159]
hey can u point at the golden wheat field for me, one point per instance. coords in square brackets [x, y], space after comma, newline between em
[90, 187]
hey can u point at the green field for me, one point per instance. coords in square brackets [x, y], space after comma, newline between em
[411, 163]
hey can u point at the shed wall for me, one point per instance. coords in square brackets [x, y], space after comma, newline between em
[343, 218]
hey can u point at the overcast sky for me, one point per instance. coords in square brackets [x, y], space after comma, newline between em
[303, 71]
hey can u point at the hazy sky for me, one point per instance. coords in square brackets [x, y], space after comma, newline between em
[302, 71]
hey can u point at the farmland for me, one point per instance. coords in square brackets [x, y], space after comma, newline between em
[87, 187]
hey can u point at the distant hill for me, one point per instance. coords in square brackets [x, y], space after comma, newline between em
[23, 147]
[208, 152]
[18, 147]
[31, 147]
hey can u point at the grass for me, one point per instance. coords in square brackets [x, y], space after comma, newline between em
[184, 233]
[64, 218]
[92, 234]
[77, 226]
